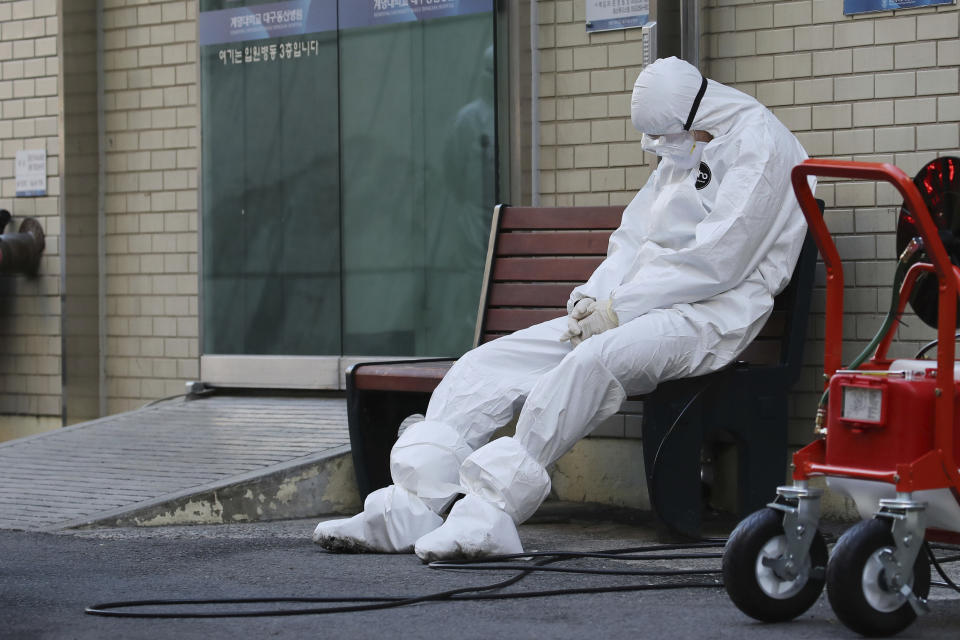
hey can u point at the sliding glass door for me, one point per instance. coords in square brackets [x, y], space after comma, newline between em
[349, 164]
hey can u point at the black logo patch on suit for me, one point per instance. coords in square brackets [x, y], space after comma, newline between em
[704, 175]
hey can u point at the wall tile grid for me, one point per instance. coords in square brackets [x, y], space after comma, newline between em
[30, 306]
[152, 142]
[877, 87]
[589, 152]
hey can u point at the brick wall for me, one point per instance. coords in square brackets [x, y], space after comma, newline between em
[30, 306]
[875, 87]
[878, 87]
[152, 142]
[589, 152]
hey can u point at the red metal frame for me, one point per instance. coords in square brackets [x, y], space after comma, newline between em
[937, 469]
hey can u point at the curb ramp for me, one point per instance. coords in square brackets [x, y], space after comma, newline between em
[216, 459]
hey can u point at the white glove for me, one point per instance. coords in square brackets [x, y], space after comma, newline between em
[576, 297]
[572, 333]
[581, 309]
[599, 317]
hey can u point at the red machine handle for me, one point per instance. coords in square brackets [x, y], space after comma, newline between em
[947, 302]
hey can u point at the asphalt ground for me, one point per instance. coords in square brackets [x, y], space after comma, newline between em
[47, 579]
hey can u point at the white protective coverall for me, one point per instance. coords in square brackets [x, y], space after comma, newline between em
[690, 274]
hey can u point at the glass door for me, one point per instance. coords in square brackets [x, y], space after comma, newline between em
[348, 168]
[270, 187]
[418, 184]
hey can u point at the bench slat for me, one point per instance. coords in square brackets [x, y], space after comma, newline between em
[419, 376]
[561, 218]
[513, 319]
[553, 243]
[533, 294]
[574, 270]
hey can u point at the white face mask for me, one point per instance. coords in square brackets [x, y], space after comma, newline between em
[681, 148]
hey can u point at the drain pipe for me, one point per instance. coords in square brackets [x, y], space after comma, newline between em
[101, 215]
[534, 106]
[20, 251]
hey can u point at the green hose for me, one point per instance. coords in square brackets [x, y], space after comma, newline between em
[903, 265]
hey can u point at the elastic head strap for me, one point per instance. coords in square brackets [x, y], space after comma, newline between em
[696, 105]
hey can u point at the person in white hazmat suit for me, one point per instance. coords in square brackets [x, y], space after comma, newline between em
[688, 282]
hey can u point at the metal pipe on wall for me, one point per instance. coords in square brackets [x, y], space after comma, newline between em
[534, 108]
[690, 31]
[81, 238]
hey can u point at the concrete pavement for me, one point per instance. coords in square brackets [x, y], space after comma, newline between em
[221, 458]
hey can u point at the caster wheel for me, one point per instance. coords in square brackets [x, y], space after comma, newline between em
[753, 585]
[858, 587]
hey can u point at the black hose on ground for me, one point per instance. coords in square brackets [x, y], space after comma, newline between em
[541, 562]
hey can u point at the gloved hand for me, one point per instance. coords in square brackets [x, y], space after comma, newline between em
[576, 297]
[572, 333]
[599, 317]
[581, 309]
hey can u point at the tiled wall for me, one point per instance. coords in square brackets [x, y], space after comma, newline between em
[589, 152]
[875, 87]
[880, 87]
[151, 136]
[30, 306]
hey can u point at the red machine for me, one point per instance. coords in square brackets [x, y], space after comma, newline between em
[886, 433]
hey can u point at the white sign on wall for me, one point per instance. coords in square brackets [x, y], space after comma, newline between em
[606, 15]
[31, 172]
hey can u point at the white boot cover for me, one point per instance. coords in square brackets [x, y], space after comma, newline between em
[391, 522]
[474, 529]
[426, 461]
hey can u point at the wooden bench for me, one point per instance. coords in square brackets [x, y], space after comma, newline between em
[535, 258]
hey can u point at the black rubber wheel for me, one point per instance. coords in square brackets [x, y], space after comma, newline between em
[856, 583]
[755, 588]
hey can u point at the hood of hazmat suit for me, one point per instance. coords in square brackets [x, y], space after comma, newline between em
[698, 229]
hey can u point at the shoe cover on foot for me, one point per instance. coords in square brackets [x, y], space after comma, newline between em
[392, 520]
[474, 529]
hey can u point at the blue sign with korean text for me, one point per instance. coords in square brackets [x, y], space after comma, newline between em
[851, 7]
[298, 17]
[273, 20]
[369, 13]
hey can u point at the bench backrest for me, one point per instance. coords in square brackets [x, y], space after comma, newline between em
[537, 255]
